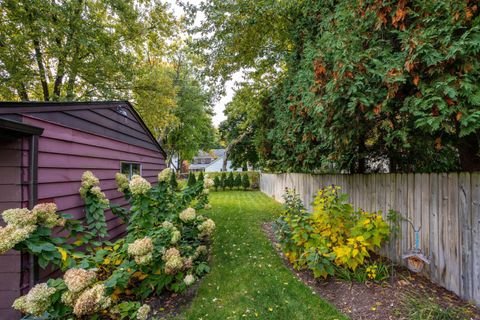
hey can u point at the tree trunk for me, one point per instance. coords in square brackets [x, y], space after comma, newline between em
[41, 69]
[469, 152]
[22, 92]
[231, 145]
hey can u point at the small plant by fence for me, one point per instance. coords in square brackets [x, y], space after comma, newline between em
[445, 206]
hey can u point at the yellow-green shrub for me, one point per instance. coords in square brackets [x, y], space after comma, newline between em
[333, 234]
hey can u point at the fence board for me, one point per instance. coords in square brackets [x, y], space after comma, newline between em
[447, 206]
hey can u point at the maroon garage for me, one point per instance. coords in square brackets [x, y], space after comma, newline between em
[44, 149]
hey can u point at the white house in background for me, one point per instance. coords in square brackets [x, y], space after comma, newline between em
[210, 161]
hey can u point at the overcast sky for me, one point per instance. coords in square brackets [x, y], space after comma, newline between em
[229, 86]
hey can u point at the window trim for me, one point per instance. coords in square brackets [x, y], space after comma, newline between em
[130, 174]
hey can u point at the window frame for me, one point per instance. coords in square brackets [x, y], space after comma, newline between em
[130, 164]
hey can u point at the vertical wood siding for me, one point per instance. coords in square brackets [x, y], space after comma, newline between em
[12, 163]
[446, 206]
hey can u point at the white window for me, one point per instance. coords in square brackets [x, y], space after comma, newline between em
[131, 168]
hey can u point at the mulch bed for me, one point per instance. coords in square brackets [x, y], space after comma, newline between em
[371, 300]
[170, 304]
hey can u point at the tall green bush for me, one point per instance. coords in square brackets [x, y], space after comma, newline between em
[191, 179]
[245, 181]
[223, 180]
[238, 181]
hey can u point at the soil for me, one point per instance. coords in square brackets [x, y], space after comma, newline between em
[372, 300]
[170, 304]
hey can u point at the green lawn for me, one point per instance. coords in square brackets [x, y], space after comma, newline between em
[248, 279]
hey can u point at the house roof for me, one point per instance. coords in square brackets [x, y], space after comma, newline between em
[8, 108]
[9, 128]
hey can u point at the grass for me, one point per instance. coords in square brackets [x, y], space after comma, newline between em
[426, 308]
[248, 280]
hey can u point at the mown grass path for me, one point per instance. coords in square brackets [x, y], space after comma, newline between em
[248, 280]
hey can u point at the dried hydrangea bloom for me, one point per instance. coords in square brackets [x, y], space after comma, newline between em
[206, 228]
[207, 206]
[142, 312]
[19, 217]
[201, 251]
[143, 260]
[139, 185]
[189, 279]
[122, 182]
[79, 279]
[187, 215]
[176, 236]
[187, 263]
[91, 301]
[47, 215]
[167, 225]
[173, 265]
[37, 301]
[69, 298]
[12, 235]
[171, 253]
[89, 180]
[140, 247]
[208, 183]
[165, 174]
[97, 192]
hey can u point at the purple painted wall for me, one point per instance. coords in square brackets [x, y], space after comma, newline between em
[67, 148]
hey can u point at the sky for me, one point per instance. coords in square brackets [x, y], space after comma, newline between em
[229, 86]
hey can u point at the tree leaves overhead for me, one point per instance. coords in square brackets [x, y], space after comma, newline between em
[107, 50]
[77, 50]
[369, 83]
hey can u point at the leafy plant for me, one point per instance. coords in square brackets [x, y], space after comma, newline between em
[230, 181]
[191, 179]
[334, 234]
[164, 249]
[217, 183]
[245, 181]
[173, 181]
[223, 180]
[238, 181]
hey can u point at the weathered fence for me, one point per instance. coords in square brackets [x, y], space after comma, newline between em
[446, 206]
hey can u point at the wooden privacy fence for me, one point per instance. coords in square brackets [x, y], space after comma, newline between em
[446, 206]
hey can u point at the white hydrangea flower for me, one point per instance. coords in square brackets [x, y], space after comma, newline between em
[19, 217]
[207, 206]
[37, 301]
[173, 261]
[167, 225]
[140, 247]
[91, 301]
[208, 183]
[12, 235]
[143, 260]
[78, 280]
[187, 215]
[143, 311]
[206, 191]
[47, 215]
[122, 182]
[97, 192]
[139, 185]
[189, 280]
[206, 228]
[165, 174]
[176, 236]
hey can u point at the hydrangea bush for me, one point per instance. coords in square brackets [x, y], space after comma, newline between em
[165, 248]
